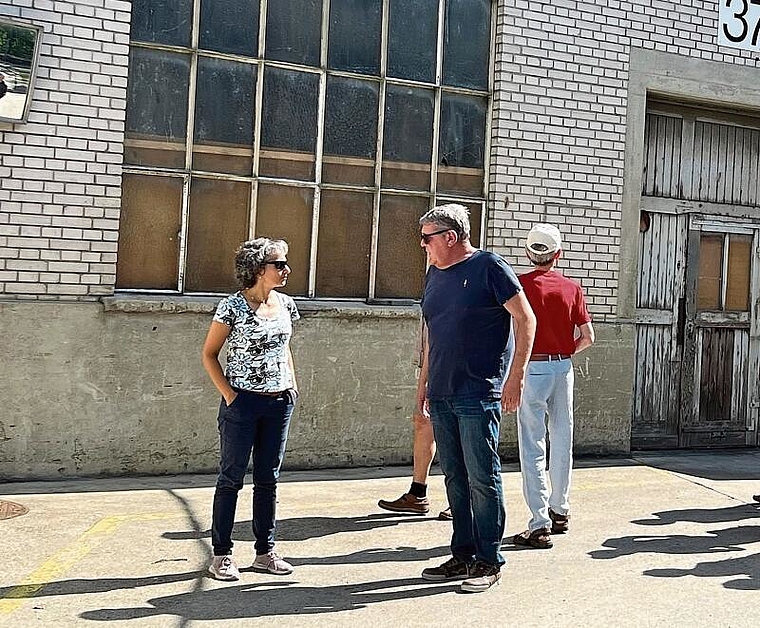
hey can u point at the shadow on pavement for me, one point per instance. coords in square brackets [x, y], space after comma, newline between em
[747, 567]
[702, 515]
[402, 553]
[304, 528]
[269, 599]
[741, 464]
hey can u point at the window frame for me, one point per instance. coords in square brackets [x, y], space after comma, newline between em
[187, 173]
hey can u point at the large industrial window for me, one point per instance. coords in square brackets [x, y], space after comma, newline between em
[333, 124]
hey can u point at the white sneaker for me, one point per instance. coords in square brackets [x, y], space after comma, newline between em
[224, 568]
[272, 563]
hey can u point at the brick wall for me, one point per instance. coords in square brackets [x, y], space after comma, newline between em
[60, 173]
[559, 124]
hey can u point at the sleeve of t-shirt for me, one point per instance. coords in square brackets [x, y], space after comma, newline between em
[502, 280]
[225, 313]
[292, 309]
[580, 311]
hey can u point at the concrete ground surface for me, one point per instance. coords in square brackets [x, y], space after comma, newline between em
[658, 539]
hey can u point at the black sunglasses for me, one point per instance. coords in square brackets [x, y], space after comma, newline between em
[279, 264]
[425, 237]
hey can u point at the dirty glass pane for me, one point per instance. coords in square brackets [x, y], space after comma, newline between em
[400, 258]
[156, 125]
[461, 147]
[293, 31]
[350, 131]
[467, 43]
[164, 22]
[476, 213]
[412, 36]
[225, 94]
[739, 273]
[343, 249]
[289, 124]
[285, 213]
[149, 227]
[354, 40]
[408, 137]
[710, 266]
[217, 224]
[230, 26]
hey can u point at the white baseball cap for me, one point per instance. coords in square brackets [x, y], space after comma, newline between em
[543, 240]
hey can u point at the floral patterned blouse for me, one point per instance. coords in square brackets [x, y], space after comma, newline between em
[257, 347]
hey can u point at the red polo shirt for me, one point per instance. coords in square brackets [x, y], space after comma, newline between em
[559, 306]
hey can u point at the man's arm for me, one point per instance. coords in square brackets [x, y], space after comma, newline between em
[524, 328]
[586, 339]
[423, 378]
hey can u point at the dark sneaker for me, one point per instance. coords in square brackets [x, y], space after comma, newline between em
[537, 539]
[756, 498]
[482, 577]
[408, 504]
[445, 515]
[560, 523]
[453, 569]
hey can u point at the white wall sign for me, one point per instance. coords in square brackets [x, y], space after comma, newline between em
[739, 24]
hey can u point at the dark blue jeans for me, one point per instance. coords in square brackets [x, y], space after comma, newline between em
[257, 423]
[467, 434]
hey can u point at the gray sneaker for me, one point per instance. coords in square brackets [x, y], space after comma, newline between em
[482, 577]
[272, 563]
[224, 568]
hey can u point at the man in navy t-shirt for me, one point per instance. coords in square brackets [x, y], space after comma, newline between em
[471, 372]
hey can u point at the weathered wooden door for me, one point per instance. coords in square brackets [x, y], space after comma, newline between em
[719, 377]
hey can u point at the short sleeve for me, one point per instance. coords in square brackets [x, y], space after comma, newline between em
[292, 309]
[580, 314]
[502, 280]
[225, 313]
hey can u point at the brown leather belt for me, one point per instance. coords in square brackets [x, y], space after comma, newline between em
[549, 357]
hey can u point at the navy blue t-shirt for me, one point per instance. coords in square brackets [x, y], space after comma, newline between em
[469, 329]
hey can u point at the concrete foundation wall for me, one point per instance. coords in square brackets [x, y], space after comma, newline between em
[89, 390]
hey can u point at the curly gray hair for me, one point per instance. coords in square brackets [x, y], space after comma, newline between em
[452, 216]
[251, 256]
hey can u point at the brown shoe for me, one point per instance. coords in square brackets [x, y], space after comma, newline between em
[445, 515]
[408, 504]
[560, 523]
[538, 539]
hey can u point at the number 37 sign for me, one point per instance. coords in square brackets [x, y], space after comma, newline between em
[739, 25]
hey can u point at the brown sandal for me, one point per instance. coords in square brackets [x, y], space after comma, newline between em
[537, 539]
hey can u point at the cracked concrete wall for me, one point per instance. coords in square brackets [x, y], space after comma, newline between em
[92, 391]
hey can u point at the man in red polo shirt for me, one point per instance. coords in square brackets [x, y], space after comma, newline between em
[563, 328]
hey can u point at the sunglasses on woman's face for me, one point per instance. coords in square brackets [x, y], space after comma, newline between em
[279, 264]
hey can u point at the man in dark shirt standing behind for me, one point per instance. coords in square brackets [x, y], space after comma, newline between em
[563, 328]
[471, 298]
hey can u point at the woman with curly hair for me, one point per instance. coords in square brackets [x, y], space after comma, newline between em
[259, 392]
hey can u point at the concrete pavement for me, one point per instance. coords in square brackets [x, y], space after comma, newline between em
[666, 539]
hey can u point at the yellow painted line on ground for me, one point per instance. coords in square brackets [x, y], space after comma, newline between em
[63, 560]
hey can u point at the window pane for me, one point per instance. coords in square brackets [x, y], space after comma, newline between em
[400, 258]
[225, 94]
[345, 234]
[710, 265]
[289, 124]
[413, 32]
[354, 42]
[156, 125]
[217, 224]
[293, 31]
[165, 22]
[151, 210]
[466, 43]
[350, 131]
[408, 137]
[285, 213]
[230, 26]
[461, 147]
[739, 267]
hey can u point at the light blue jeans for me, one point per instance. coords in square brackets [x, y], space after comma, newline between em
[548, 392]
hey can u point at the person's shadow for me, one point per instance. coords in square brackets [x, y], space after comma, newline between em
[270, 599]
[304, 528]
[728, 540]
[702, 515]
[746, 568]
